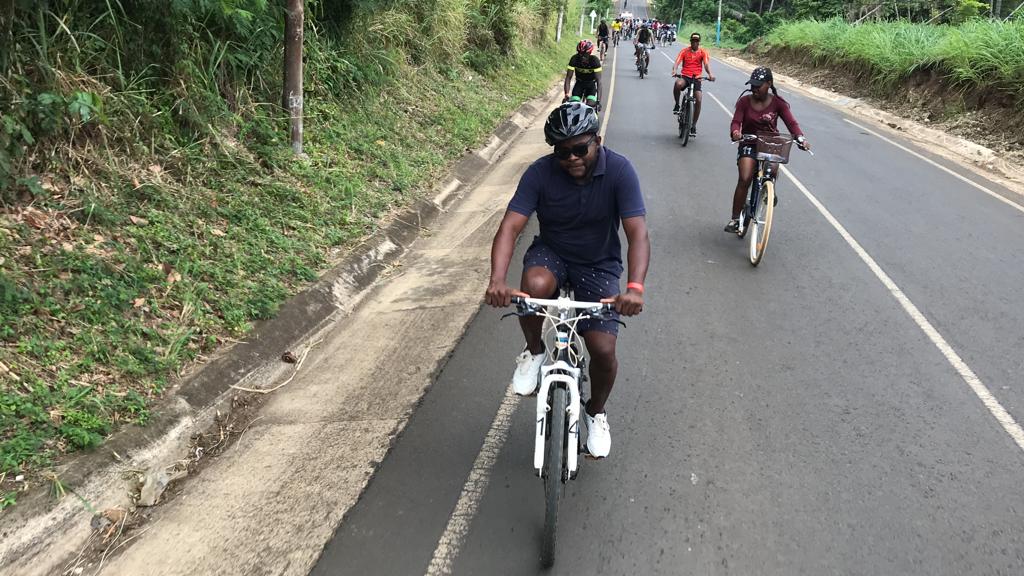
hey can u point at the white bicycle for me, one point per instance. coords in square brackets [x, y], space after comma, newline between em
[557, 442]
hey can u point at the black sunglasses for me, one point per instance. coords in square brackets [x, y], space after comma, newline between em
[579, 150]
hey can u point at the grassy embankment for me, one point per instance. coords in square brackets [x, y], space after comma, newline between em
[980, 59]
[150, 209]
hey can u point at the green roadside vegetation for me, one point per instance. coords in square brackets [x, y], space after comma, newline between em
[957, 62]
[966, 43]
[150, 207]
[708, 34]
[977, 55]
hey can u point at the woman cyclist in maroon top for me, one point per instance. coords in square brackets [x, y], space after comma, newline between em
[757, 112]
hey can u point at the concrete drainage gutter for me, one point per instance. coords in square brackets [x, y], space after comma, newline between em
[38, 535]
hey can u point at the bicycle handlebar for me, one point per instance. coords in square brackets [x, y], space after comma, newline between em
[693, 77]
[536, 303]
[755, 137]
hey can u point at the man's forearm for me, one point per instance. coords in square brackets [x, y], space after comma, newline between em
[638, 258]
[501, 253]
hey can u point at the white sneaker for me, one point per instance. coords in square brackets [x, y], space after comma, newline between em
[527, 374]
[599, 435]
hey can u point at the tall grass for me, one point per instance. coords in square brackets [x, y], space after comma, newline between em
[977, 55]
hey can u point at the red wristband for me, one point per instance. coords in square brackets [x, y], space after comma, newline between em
[635, 286]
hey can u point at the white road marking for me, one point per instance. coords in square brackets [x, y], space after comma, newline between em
[611, 96]
[991, 193]
[454, 535]
[977, 386]
[719, 102]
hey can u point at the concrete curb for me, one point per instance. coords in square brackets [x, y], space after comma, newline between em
[969, 154]
[40, 532]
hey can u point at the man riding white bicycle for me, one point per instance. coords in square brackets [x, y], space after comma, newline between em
[581, 192]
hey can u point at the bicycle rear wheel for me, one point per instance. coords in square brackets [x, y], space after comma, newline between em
[554, 463]
[762, 222]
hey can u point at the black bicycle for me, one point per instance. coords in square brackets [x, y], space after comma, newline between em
[643, 59]
[686, 109]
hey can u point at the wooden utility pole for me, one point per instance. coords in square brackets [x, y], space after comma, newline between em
[6, 29]
[292, 96]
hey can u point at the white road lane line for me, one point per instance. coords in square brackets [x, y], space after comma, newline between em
[991, 193]
[451, 541]
[977, 386]
[454, 535]
[611, 96]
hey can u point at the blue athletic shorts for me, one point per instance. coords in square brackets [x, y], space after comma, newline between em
[588, 284]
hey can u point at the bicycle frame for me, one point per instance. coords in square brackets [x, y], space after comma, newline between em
[562, 371]
[764, 172]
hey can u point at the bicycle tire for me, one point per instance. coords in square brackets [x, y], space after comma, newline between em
[688, 122]
[762, 222]
[554, 464]
[746, 209]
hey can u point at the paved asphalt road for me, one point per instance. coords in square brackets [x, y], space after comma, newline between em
[788, 419]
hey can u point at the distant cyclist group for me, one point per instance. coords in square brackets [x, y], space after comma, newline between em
[583, 192]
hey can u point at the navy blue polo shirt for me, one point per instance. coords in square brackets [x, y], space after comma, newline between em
[580, 222]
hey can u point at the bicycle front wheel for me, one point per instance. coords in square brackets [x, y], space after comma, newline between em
[688, 122]
[554, 463]
[761, 223]
[745, 215]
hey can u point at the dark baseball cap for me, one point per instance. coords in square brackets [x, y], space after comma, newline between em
[759, 76]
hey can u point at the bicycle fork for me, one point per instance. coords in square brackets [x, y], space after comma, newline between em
[560, 372]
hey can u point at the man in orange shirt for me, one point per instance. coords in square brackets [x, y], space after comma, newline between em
[693, 59]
